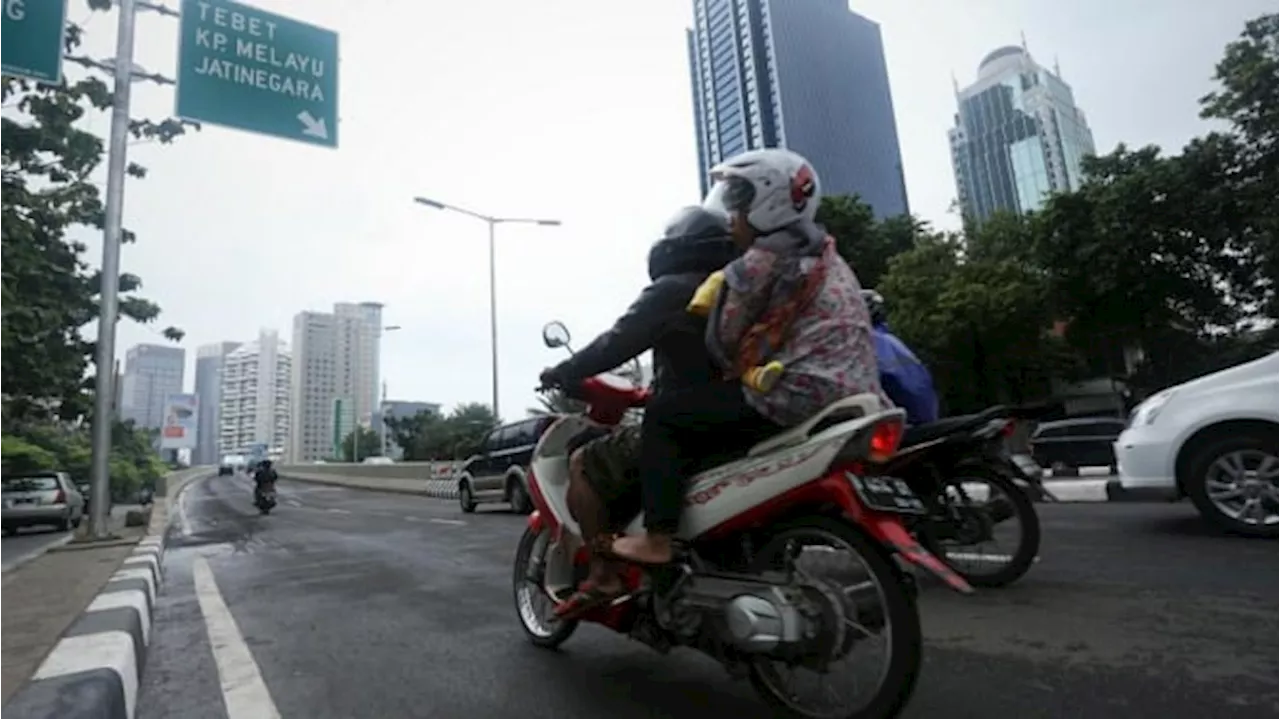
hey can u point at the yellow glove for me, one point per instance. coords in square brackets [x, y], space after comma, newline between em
[706, 295]
[762, 379]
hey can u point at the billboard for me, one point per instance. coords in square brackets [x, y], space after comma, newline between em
[180, 417]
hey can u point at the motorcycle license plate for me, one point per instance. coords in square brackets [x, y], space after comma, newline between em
[887, 494]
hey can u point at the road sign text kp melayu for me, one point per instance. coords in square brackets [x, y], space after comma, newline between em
[253, 70]
[32, 32]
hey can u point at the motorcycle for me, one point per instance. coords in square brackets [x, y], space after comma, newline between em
[747, 587]
[962, 470]
[264, 497]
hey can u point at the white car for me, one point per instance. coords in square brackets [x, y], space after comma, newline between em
[1212, 439]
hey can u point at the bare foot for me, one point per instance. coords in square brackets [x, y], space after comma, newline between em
[647, 549]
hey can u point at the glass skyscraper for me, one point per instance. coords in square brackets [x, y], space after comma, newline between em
[1018, 136]
[808, 75]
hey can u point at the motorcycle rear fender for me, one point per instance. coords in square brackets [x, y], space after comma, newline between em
[890, 531]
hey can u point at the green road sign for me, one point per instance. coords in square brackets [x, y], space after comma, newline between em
[32, 34]
[253, 70]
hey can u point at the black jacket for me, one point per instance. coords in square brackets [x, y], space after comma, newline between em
[657, 320]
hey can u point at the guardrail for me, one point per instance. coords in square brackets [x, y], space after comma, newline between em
[434, 479]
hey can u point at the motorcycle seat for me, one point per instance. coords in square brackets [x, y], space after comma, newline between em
[842, 410]
[948, 426]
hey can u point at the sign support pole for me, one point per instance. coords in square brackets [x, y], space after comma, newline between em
[109, 302]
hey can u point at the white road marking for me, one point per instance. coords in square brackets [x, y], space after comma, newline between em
[454, 522]
[244, 693]
[336, 510]
[184, 524]
[412, 519]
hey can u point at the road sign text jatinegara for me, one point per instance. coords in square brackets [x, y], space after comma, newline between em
[253, 70]
[32, 32]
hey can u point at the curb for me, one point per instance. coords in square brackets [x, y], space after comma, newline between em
[94, 671]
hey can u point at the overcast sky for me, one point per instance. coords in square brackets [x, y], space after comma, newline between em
[576, 110]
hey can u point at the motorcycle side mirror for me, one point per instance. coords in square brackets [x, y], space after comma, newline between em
[555, 334]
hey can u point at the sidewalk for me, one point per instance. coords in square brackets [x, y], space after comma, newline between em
[44, 596]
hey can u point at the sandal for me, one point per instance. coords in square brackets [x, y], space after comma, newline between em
[588, 596]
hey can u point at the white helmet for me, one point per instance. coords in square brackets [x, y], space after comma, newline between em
[773, 187]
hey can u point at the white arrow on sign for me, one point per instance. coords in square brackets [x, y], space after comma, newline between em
[313, 127]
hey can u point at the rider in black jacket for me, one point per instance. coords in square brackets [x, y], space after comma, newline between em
[604, 488]
[264, 474]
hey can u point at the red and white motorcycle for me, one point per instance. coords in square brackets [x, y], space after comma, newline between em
[790, 558]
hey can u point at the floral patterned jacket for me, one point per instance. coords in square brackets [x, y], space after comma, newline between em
[827, 350]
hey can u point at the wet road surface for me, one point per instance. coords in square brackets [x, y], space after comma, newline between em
[345, 604]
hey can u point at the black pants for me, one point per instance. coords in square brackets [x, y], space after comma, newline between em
[685, 431]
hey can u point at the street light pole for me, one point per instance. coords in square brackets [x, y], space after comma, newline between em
[382, 410]
[493, 222]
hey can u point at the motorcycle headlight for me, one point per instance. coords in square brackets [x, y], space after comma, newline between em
[1147, 412]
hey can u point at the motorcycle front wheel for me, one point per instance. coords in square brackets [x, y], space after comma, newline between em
[870, 576]
[534, 608]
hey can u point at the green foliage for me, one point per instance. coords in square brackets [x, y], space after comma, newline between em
[430, 436]
[62, 447]
[867, 245]
[360, 443]
[49, 292]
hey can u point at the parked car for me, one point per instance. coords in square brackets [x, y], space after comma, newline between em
[1212, 440]
[497, 473]
[37, 498]
[1075, 443]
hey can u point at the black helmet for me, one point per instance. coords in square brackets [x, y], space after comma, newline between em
[875, 305]
[695, 240]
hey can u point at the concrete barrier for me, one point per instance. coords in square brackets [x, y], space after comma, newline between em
[431, 479]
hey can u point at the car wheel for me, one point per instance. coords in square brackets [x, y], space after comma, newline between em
[520, 502]
[1232, 482]
[466, 498]
[64, 524]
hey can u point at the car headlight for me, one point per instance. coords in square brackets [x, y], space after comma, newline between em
[1150, 409]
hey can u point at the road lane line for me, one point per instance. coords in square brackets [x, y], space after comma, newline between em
[244, 693]
[455, 522]
[413, 519]
[336, 510]
[184, 524]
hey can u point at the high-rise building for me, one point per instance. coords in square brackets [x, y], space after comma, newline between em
[151, 374]
[1018, 136]
[254, 405]
[209, 391]
[808, 75]
[335, 376]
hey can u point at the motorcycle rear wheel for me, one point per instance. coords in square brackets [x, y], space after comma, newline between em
[547, 632]
[901, 623]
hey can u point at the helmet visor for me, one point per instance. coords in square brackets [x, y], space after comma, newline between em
[730, 195]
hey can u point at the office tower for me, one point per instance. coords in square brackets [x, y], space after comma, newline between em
[334, 378]
[808, 75]
[254, 397]
[208, 389]
[151, 374]
[1018, 136]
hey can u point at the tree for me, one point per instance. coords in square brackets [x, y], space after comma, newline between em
[980, 323]
[1248, 99]
[867, 245]
[359, 443]
[429, 436]
[49, 295]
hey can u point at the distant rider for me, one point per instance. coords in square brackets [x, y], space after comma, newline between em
[902, 375]
[264, 475]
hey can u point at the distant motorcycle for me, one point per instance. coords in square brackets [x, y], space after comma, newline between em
[945, 463]
[264, 497]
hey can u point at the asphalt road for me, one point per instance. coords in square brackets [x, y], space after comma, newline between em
[350, 604]
[29, 541]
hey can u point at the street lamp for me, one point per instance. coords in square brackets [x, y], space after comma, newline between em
[493, 298]
[382, 411]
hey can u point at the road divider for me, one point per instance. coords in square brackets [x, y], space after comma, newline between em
[428, 479]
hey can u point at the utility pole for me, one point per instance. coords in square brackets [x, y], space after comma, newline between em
[122, 70]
